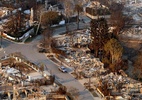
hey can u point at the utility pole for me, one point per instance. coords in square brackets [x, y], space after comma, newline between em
[39, 22]
[1, 33]
[90, 75]
[89, 82]
[1, 39]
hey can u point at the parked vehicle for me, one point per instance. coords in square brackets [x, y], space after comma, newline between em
[63, 69]
[42, 51]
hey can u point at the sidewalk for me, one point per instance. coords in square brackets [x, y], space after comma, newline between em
[72, 27]
[95, 82]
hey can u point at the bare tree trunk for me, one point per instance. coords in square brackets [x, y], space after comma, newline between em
[78, 20]
[67, 28]
[67, 24]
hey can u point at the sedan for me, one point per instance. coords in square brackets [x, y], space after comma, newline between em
[63, 69]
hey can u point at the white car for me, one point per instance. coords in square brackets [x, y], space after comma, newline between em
[63, 69]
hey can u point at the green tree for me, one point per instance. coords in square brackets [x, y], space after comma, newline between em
[99, 34]
[78, 8]
[114, 48]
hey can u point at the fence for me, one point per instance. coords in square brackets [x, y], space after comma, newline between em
[27, 34]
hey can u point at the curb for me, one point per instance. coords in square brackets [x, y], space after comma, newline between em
[13, 41]
[73, 76]
[58, 61]
[1, 49]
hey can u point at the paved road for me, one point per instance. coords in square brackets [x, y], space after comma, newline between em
[30, 51]
[73, 26]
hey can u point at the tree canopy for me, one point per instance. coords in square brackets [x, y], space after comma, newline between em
[99, 33]
[48, 18]
[114, 48]
[47, 37]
